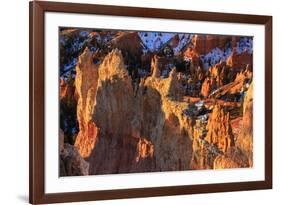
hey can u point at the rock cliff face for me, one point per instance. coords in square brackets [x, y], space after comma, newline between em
[205, 43]
[155, 67]
[86, 85]
[151, 136]
[232, 91]
[132, 49]
[242, 154]
[245, 142]
[232, 159]
[154, 135]
[217, 78]
[163, 122]
[71, 163]
[219, 129]
[212, 139]
[150, 101]
[207, 87]
[113, 118]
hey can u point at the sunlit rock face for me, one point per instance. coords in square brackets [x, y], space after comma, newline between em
[86, 85]
[163, 121]
[115, 145]
[155, 67]
[137, 130]
[213, 81]
[242, 154]
[212, 139]
[114, 96]
[152, 101]
[154, 135]
[234, 90]
[219, 129]
[245, 142]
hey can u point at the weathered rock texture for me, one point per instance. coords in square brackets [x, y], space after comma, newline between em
[185, 105]
[219, 129]
[134, 48]
[136, 131]
[242, 154]
[131, 51]
[155, 67]
[241, 60]
[211, 139]
[234, 158]
[245, 142]
[216, 79]
[71, 163]
[205, 43]
[163, 122]
[195, 79]
[224, 80]
[86, 86]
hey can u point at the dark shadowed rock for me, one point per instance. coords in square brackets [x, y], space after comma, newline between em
[71, 162]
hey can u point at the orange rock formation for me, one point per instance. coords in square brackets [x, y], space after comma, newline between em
[86, 86]
[219, 129]
[242, 154]
[151, 135]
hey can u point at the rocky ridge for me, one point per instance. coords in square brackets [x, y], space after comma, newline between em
[172, 117]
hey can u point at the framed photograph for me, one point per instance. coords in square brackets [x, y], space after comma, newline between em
[140, 102]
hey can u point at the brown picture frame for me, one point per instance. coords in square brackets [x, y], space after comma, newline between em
[37, 9]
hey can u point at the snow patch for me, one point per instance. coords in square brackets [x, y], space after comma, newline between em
[154, 40]
[184, 40]
[199, 104]
[245, 44]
